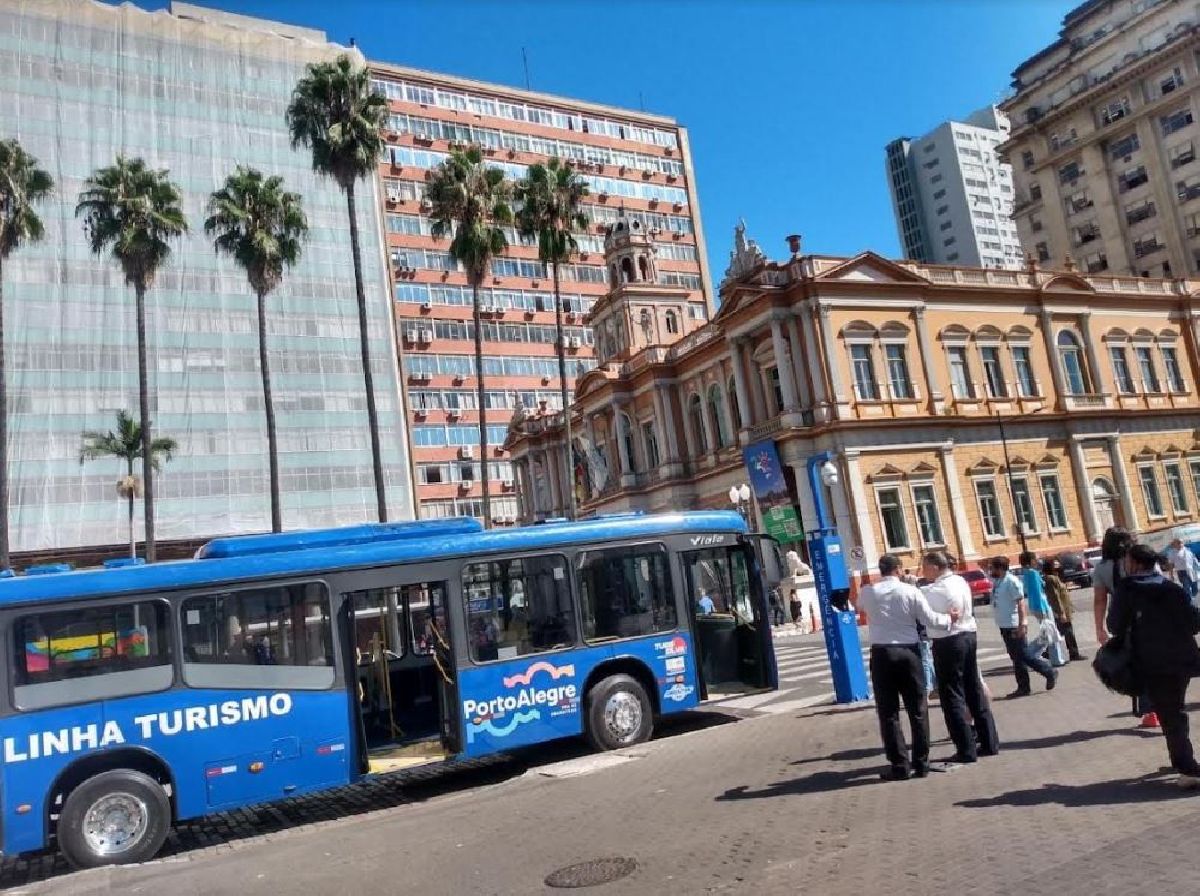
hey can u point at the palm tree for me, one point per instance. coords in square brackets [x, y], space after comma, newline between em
[335, 113]
[132, 211]
[261, 226]
[127, 444]
[22, 183]
[469, 199]
[551, 198]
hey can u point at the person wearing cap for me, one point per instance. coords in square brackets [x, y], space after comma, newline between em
[893, 610]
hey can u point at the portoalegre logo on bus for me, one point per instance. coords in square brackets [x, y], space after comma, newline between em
[144, 728]
[501, 715]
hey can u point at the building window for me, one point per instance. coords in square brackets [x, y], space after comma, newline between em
[993, 372]
[1071, 357]
[865, 383]
[1182, 154]
[776, 387]
[1179, 501]
[925, 505]
[672, 322]
[1023, 502]
[1194, 466]
[1026, 159]
[891, 517]
[625, 592]
[1174, 372]
[1176, 121]
[1124, 147]
[1171, 82]
[734, 408]
[1139, 211]
[948, 242]
[627, 437]
[1114, 111]
[651, 442]
[717, 408]
[1069, 173]
[1095, 263]
[1132, 179]
[1121, 372]
[1154, 505]
[1056, 514]
[1026, 384]
[1035, 192]
[1188, 188]
[696, 413]
[989, 508]
[960, 375]
[1043, 252]
[897, 365]
[1149, 375]
[940, 194]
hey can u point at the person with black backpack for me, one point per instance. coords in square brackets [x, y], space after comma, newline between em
[1158, 618]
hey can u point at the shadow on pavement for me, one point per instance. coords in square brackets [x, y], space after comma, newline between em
[843, 756]
[818, 782]
[1150, 787]
[1073, 737]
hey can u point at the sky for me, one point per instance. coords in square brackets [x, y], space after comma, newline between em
[788, 103]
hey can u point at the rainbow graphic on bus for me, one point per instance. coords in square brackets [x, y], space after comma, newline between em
[42, 654]
[526, 677]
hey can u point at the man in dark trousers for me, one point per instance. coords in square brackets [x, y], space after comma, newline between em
[960, 688]
[893, 610]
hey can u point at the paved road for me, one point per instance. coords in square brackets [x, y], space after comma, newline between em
[1076, 804]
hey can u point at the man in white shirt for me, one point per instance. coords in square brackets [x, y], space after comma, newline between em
[893, 610]
[956, 664]
[1186, 566]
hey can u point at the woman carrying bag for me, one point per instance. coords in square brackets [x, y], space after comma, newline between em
[1158, 625]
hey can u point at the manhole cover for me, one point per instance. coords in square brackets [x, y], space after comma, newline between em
[591, 874]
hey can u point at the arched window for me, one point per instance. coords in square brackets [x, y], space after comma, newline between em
[776, 388]
[696, 418]
[627, 436]
[626, 270]
[1071, 356]
[672, 322]
[644, 268]
[650, 442]
[716, 407]
[734, 410]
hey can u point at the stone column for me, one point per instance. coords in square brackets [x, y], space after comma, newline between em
[1056, 372]
[551, 471]
[958, 508]
[622, 446]
[839, 399]
[1083, 487]
[808, 507]
[866, 534]
[933, 383]
[1121, 475]
[842, 518]
[816, 372]
[802, 382]
[666, 422]
[736, 358]
[685, 417]
[783, 364]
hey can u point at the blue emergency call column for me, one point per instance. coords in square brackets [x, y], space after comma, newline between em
[833, 590]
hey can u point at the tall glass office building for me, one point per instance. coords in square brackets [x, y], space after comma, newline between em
[198, 92]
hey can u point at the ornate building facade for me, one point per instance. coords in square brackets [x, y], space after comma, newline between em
[965, 408]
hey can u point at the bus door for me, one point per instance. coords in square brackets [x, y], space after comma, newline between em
[730, 619]
[406, 666]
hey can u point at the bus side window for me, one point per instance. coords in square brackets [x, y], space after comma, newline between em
[518, 606]
[626, 592]
[271, 636]
[91, 653]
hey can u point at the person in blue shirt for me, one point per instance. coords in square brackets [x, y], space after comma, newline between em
[1035, 589]
[705, 604]
[1008, 609]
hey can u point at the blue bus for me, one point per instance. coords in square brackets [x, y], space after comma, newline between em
[275, 665]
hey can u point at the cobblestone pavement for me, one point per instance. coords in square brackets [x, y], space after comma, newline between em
[1077, 804]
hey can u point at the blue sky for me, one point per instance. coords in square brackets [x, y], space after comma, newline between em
[788, 104]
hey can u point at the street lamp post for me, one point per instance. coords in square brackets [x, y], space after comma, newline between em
[833, 589]
[739, 497]
[1012, 492]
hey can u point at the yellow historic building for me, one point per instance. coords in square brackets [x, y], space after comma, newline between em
[961, 405]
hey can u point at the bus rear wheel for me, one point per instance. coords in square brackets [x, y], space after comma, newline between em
[619, 713]
[117, 817]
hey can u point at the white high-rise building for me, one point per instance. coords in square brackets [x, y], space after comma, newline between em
[952, 196]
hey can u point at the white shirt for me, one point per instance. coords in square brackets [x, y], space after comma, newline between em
[951, 590]
[1185, 561]
[894, 609]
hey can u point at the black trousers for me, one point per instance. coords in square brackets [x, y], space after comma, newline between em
[1067, 630]
[960, 691]
[896, 675]
[1166, 694]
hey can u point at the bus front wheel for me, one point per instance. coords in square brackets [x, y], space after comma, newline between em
[619, 713]
[117, 817]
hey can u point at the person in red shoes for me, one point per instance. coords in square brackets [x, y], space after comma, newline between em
[1158, 616]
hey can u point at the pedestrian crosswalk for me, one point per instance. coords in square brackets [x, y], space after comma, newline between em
[805, 678]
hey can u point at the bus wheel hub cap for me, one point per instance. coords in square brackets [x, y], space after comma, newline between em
[622, 715]
[114, 823]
